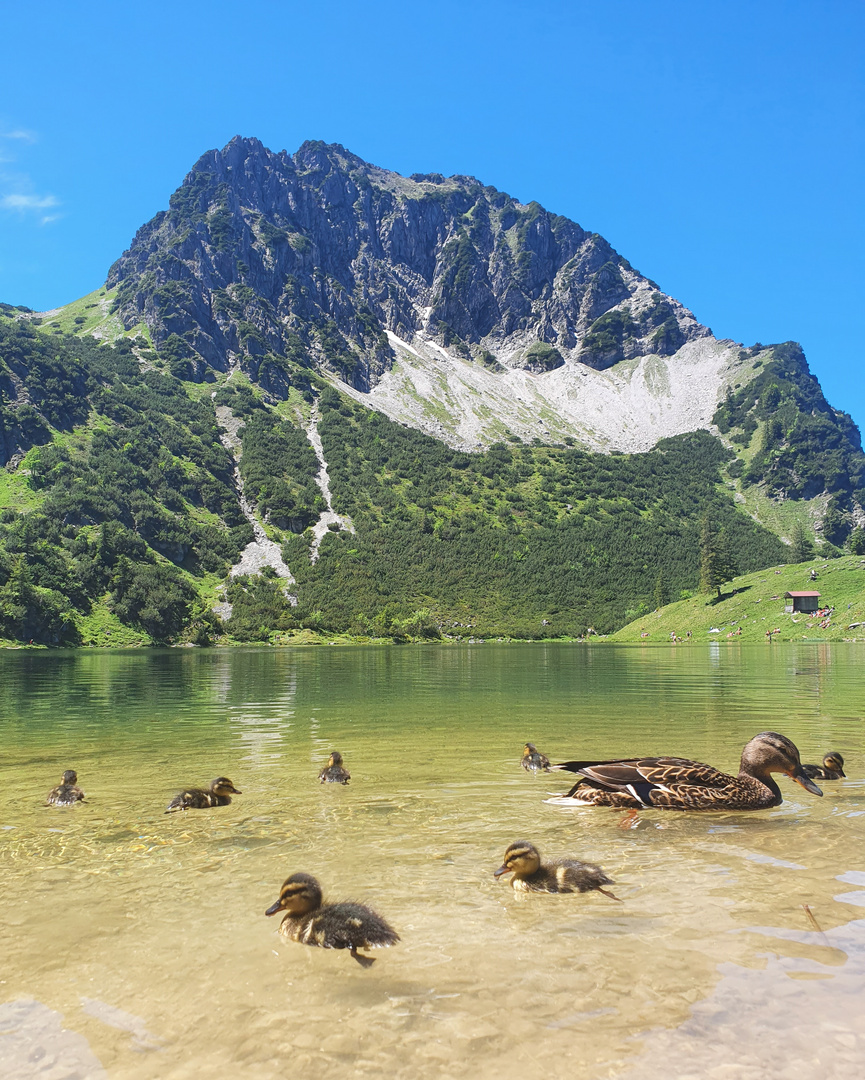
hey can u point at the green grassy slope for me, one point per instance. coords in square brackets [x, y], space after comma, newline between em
[755, 602]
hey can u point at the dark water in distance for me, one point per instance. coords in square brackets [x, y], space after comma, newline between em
[137, 944]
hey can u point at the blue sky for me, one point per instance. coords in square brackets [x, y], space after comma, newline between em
[718, 147]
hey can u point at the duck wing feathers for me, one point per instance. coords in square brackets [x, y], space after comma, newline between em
[639, 777]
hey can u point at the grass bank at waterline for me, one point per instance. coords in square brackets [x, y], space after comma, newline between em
[752, 606]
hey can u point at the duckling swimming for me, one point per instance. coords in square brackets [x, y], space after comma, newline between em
[219, 794]
[671, 783]
[345, 925]
[333, 772]
[831, 769]
[67, 792]
[533, 760]
[523, 860]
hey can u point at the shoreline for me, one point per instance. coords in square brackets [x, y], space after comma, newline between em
[601, 639]
[736, 615]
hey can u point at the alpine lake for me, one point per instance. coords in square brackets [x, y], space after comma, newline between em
[134, 943]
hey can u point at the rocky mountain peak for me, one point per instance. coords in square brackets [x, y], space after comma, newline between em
[268, 261]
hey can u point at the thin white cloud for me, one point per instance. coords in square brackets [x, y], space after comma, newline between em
[16, 187]
[19, 133]
[27, 205]
[23, 203]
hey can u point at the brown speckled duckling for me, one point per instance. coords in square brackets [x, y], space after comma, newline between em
[831, 769]
[671, 783]
[333, 772]
[345, 925]
[533, 760]
[219, 794]
[67, 792]
[523, 860]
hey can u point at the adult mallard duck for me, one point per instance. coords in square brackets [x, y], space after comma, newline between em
[333, 772]
[671, 783]
[345, 925]
[218, 794]
[533, 760]
[523, 860]
[831, 769]
[67, 792]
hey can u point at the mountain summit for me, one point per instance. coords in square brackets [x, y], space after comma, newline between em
[259, 429]
[440, 301]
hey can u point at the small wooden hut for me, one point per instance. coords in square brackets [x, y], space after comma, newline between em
[801, 601]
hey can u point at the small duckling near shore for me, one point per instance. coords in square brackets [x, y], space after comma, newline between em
[534, 761]
[345, 925]
[831, 769]
[67, 792]
[523, 860]
[333, 772]
[218, 794]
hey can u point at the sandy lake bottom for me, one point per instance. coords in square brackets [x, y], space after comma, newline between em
[135, 943]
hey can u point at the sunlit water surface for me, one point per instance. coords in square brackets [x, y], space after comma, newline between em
[134, 944]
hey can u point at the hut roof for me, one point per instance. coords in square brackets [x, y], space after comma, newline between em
[791, 594]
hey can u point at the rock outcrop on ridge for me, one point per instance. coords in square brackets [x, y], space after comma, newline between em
[420, 294]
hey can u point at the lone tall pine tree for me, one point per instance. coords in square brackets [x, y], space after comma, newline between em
[716, 565]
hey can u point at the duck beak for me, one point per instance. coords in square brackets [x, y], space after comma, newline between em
[806, 782]
[501, 870]
[272, 910]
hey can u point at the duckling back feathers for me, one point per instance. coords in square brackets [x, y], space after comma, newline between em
[563, 876]
[333, 772]
[219, 794]
[67, 792]
[344, 925]
[533, 760]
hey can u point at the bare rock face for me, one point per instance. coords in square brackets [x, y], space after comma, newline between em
[269, 261]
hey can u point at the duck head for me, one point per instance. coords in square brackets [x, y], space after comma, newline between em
[223, 786]
[299, 894]
[521, 859]
[770, 752]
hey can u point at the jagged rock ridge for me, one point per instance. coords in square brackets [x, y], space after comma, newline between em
[270, 260]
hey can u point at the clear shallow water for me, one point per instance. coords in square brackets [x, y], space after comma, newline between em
[135, 943]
